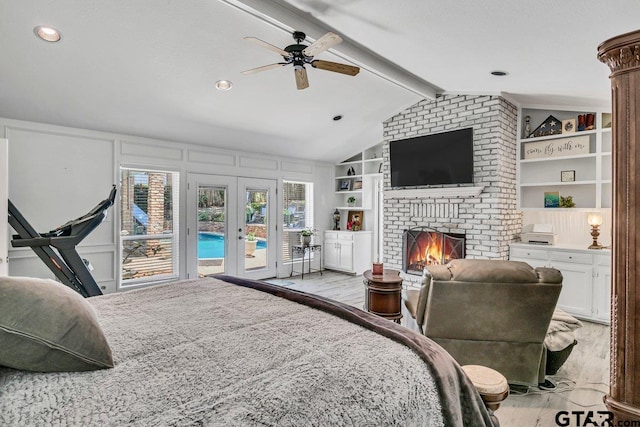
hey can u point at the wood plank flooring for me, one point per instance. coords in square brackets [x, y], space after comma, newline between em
[581, 382]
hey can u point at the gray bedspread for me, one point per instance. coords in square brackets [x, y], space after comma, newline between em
[209, 352]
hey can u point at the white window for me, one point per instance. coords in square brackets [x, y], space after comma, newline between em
[298, 214]
[149, 225]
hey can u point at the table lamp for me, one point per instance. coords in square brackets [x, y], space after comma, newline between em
[595, 221]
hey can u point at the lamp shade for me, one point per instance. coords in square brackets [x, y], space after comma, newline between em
[594, 218]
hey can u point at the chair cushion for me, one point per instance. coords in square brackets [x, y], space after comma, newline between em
[411, 301]
[491, 271]
[47, 327]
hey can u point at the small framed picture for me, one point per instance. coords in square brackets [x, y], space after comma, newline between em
[355, 220]
[568, 176]
[551, 199]
[357, 185]
[345, 185]
[569, 126]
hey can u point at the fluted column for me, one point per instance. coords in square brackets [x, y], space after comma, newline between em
[622, 55]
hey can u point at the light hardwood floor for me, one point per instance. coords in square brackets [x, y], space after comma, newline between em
[581, 382]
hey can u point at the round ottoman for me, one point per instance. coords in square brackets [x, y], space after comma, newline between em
[491, 384]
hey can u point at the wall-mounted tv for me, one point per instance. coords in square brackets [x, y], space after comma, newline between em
[435, 159]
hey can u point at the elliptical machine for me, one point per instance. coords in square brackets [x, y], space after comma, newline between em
[66, 264]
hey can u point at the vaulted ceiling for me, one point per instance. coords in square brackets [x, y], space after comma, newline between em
[148, 67]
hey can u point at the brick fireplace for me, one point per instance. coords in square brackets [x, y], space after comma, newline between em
[489, 220]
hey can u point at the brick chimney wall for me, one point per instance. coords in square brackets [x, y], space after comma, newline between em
[491, 220]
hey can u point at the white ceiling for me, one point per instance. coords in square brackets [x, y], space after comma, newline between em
[147, 67]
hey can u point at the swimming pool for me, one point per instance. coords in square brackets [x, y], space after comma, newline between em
[212, 245]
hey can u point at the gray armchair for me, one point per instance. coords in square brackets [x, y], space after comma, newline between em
[493, 313]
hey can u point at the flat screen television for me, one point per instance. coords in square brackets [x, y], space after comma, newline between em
[435, 159]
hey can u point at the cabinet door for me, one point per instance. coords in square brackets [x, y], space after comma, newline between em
[602, 294]
[346, 256]
[331, 253]
[577, 284]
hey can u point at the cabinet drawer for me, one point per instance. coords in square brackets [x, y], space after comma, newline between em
[604, 260]
[528, 253]
[345, 236]
[331, 235]
[578, 258]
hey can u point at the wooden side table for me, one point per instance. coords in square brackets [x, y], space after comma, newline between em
[383, 294]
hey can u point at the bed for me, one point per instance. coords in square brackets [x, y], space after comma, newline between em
[232, 352]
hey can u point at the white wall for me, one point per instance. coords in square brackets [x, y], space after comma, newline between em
[59, 173]
[571, 224]
[4, 188]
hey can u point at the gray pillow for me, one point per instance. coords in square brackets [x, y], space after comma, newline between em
[47, 327]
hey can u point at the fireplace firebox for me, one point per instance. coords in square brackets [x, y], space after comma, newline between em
[424, 246]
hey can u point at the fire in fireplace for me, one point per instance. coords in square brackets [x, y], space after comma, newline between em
[423, 247]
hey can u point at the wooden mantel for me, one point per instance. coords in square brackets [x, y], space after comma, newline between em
[622, 55]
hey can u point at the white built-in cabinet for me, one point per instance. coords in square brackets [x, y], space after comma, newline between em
[554, 163]
[586, 284]
[357, 177]
[347, 251]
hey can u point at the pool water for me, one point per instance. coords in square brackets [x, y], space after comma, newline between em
[212, 245]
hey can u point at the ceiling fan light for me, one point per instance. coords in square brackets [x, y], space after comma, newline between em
[224, 85]
[47, 34]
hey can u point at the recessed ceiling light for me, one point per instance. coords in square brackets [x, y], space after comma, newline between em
[223, 85]
[338, 117]
[47, 34]
[499, 73]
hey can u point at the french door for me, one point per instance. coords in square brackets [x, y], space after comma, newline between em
[231, 226]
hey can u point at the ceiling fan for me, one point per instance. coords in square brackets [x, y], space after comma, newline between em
[299, 54]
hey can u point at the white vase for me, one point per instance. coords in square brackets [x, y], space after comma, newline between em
[305, 240]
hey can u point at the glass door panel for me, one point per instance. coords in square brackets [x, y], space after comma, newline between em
[257, 255]
[211, 220]
[212, 229]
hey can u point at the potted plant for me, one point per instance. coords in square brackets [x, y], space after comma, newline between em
[305, 236]
[250, 244]
[351, 201]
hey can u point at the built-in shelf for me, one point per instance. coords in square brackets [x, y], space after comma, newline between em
[573, 163]
[354, 178]
[435, 193]
[543, 184]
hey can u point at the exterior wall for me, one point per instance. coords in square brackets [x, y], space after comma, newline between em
[489, 221]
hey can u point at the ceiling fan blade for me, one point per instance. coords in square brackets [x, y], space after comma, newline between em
[302, 82]
[335, 67]
[268, 46]
[264, 68]
[323, 43]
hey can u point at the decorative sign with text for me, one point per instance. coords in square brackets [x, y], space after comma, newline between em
[557, 147]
